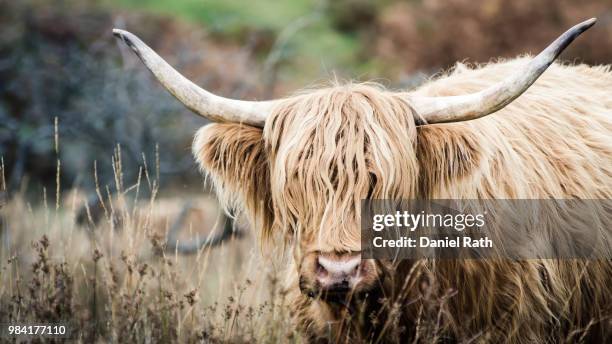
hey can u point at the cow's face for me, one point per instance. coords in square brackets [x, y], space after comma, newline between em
[303, 177]
[328, 150]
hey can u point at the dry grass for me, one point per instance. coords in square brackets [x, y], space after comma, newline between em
[117, 283]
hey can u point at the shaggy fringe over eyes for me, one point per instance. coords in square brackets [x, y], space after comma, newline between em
[234, 158]
[329, 149]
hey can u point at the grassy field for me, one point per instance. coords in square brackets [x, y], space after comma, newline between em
[114, 281]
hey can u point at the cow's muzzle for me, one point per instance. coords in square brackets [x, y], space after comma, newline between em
[336, 277]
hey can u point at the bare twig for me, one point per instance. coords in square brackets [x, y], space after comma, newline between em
[275, 57]
[173, 244]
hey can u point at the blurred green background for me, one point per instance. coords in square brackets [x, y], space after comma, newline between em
[58, 59]
[316, 36]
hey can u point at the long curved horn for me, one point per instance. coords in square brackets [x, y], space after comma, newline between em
[489, 100]
[195, 98]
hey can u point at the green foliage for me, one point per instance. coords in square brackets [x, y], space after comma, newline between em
[228, 15]
[312, 52]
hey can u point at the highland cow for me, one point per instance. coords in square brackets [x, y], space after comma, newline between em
[299, 168]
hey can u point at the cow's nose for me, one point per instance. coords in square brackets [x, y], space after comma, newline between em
[338, 273]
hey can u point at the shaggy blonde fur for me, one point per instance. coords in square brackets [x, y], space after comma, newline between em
[323, 151]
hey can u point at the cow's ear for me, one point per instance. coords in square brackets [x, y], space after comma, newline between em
[233, 156]
[446, 153]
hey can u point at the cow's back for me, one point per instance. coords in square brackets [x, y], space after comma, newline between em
[554, 141]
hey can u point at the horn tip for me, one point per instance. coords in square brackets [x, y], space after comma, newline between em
[588, 23]
[579, 29]
[118, 33]
[127, 38]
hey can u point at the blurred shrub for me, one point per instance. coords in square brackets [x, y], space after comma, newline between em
[59, 59]
[310, 51]
[353, 15]
[430, 34]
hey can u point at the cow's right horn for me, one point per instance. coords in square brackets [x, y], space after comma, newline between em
[479, 104]
[198, 100]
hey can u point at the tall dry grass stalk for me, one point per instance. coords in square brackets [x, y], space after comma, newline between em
[116, 282]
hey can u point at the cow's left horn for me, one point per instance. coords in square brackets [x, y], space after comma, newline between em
[198, 100]
[487, 101]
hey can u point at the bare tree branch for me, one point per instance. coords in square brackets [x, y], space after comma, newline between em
[173, 244]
